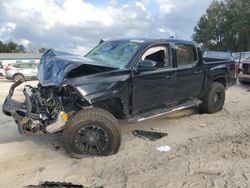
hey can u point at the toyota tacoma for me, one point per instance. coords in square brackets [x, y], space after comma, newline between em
[132, 79]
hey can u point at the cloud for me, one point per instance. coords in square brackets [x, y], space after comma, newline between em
[78, 25]
[183, 16]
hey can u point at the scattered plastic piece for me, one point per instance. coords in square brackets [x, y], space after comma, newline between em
[48, 184]
[164, 149]
[150, 135]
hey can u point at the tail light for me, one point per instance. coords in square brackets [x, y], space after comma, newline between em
[7, 68]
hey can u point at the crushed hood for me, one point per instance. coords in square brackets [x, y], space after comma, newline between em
[55, 66]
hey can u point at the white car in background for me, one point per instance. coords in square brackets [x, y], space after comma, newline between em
[21, 71]
[2, 72]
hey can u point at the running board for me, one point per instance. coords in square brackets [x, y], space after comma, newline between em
[164, 110]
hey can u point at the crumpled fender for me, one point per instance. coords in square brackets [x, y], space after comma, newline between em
[95, 97]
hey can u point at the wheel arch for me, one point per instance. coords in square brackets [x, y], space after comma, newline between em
[18, 73]
[221, 79]
[113, 105]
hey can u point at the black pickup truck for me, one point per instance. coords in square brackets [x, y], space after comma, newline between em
[132, 79]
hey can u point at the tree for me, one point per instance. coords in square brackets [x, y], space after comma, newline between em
[11, 47]
[225, 26]
[21, 49]
[1, 46]
[41, 50]
[209, 30]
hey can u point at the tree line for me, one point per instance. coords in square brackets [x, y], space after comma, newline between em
[225, 26]
[11, 47]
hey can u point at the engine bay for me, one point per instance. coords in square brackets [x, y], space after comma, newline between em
[46, 109]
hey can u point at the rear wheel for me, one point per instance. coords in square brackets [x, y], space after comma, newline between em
[18, 77]
[92, 132]
[214, 99]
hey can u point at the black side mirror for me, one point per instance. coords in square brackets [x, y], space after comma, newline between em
[146, 65]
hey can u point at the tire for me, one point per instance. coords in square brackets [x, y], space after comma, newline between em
[18, 77]
[92, 131]
[214, 99]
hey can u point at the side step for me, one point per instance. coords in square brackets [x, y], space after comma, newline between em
[164, 110]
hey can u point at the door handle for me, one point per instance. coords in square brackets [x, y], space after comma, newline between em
[169, 76]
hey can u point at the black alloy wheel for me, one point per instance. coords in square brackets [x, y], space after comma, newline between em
[91, 139]
[214, 98]
[218, 98]
[92, 131]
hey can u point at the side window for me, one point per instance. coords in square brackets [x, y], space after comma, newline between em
[16, 66]
[185, 55]
[159, 54]
[18, 61]
[34, 65]
[24, 66]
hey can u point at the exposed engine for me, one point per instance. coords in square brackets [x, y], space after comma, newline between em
[47, 102]
[46, 109]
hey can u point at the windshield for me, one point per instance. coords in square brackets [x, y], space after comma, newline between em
[115, 54]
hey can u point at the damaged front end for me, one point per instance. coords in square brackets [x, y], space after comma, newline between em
[49, 105]
[43, 110]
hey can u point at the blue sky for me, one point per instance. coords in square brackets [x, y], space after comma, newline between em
[78, 25]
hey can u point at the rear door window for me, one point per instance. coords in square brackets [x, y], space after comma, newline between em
[186, 55]
[16, 66]
[24, 66]
[34, 66]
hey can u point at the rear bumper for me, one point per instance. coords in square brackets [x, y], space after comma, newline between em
[244, 77]
[9, 75]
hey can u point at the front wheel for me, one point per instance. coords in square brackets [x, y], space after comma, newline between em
[92, 131]
[18, 77]
[214, 99]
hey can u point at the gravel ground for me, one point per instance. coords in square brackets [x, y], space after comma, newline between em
[208, 150]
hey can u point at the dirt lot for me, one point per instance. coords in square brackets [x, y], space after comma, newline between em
[207, 151]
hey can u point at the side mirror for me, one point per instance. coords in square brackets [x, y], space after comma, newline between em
[146, 65]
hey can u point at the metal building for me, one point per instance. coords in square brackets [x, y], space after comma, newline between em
[10, 58]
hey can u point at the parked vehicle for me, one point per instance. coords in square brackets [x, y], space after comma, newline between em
[119, 79]
[2, 72]
[21, 71]
[244, 75]
[240, 56]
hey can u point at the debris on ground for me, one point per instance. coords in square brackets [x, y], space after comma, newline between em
[48, 184]
[149, 135]
[164, 149]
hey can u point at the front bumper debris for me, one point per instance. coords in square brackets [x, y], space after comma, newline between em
[28, 121]
[10, 105]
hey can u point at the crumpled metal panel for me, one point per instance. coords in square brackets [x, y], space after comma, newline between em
[55, 65]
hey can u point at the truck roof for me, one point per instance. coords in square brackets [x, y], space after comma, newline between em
[155, 40]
